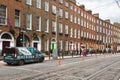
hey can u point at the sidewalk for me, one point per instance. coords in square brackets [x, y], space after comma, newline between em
[64, 57]
[1, 58]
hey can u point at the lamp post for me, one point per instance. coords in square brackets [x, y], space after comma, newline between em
[56, 50]
[108, 41]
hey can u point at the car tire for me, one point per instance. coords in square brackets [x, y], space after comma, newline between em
[41, 59]
[21, 62]
[8, 63]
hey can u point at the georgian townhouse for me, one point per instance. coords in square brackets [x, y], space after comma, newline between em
[50, 24]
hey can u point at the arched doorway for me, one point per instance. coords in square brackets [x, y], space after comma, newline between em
[6, 40]
[24, 43]
[53, 44]
[36, 43]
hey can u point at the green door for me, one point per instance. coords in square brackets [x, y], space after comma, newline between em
[53, 46]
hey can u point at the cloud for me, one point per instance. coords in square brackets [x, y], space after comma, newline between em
[106, 9]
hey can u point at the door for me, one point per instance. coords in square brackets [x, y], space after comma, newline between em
[4, 45]
[36, 45]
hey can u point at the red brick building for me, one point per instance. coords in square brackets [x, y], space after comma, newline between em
[45, 22]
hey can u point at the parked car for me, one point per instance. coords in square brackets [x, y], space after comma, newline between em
[21, 55]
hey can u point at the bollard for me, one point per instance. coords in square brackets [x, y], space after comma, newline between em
[96, 56]
[59, 61]
[82, 58]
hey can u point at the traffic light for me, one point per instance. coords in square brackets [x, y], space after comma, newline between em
[21, 37]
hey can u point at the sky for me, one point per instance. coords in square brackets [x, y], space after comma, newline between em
[107, 9]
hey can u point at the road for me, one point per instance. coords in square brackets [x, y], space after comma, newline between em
[91, 68]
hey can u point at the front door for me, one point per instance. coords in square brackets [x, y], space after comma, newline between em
[36, 45]
[5, 44]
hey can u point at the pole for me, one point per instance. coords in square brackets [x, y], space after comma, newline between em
[57, 14]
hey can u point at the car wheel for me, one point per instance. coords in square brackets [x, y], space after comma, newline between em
[41, 59]
[21, 62]
[8, 63]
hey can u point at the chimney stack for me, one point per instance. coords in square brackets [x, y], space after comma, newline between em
[82, 6]
[96, 15]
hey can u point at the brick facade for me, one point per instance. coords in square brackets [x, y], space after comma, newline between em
[85, 29]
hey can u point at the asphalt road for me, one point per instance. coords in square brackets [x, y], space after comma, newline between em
[91, 68]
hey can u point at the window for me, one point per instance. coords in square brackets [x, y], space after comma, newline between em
[75, 20]
[78, 11]
[66, 14]
[3, 15]
[81, 33]
[75, 9]
[71, 18]
[82, 22]
[38, 3]
[79, 21]
[84, 34]
[28, 21]
[17, 18]
[61, 13]
[53, 9]
[71, 7]
[66, 45]
[75, 33]
[47, 45]
[78, 34]
[60, 28]
[61, 1]
[38, 23]
[46, 25]
[71, 32]
[66, 29]
[53, 26]
[29, 2]
[60, 45]
[66, 4]
[46, 6]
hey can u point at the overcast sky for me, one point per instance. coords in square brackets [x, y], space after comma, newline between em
[107, 9]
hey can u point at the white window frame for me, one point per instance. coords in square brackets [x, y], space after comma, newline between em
[66, 15]
[54, 9]
[60, 45]
[66, 4]
[29, 25]
[66, 29]
[60, 13]
[4, 19]
[61, 1]
[29, 2]
[39, 23]
[17, 24]
[71, 18]
[38, 3]
[53, 26]
[46, 6]
[75, 33]
[75, 19]
[60, 28]
[47, 25]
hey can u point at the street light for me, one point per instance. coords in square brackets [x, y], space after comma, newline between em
[108, 41]
[55, 52]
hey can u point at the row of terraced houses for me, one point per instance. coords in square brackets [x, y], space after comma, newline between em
[47, 22]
